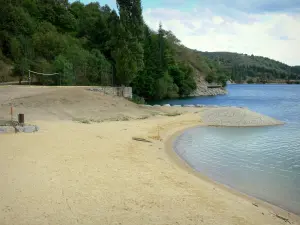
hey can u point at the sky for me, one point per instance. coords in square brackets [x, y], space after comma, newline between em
[269, 28]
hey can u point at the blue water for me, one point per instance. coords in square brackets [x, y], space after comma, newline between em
[261, 162]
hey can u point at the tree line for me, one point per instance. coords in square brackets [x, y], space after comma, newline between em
[243, 68]
[92, 45]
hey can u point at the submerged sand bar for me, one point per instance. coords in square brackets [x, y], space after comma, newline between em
[76, 173]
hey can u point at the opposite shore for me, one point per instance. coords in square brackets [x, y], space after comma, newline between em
[118, 172]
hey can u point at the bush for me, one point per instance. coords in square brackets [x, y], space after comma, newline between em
[138, 100]
[222, 80]
[250, 81]
[5, 72]
[210, 78]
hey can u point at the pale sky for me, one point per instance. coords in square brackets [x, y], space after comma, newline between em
[269, 28]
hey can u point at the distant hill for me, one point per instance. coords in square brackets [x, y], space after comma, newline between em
[249, 68]
[296, 69]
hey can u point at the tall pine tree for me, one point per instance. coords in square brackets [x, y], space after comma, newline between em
[129, 53]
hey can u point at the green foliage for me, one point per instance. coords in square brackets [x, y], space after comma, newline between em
[65, 70]
[250, 81]
[222, 79]
[240, 67]
[94, 45]
[138, 100]
[165, 87]
[183, 78]
[210, 78]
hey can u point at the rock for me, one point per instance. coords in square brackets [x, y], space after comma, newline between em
[200, 106]
[156, 105]
[168, 105]
[27, 128]
[189, 106]
[7, 129]
[148, 105]
[203, 90]
[177, 105]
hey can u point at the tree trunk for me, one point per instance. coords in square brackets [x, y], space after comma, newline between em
[20, 80]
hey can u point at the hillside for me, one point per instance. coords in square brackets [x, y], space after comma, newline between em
[92, 44]
[243, 67]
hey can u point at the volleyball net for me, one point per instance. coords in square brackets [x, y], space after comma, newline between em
[31, 73]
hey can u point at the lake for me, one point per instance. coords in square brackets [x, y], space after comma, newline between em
[262, 162]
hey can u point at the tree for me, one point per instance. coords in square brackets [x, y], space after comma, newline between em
[65, 69]
[89, 44]
[250, 81]
[130, 35]
[222, 79]
[47, 42]
[210, 78]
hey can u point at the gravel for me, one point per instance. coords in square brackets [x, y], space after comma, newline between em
[236, 117]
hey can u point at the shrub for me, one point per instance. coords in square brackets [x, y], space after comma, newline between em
[138, 100]
[210, 78]
[250, 81]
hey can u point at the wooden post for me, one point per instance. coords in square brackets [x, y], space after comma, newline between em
[21, 119]
[11, 113]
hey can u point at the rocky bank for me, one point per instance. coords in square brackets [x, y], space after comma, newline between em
[203, 90]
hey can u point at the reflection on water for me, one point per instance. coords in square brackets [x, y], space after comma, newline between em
[262, 162]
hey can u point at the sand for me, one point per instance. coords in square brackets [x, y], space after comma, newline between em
[75, 173]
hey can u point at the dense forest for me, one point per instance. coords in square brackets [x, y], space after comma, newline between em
[96, 45]
[249, 68]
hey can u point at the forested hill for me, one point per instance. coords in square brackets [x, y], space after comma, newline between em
[95, 45]
[243, 67]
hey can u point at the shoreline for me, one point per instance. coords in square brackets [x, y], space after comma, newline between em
[184, 165]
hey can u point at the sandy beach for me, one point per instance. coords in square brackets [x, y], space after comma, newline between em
[72, 172]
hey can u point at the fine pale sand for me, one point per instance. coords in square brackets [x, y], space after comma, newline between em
[76, 173]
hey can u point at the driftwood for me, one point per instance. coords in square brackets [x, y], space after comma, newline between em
[282, 218]
[141, 139]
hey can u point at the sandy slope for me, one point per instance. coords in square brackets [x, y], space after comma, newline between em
[74, 173]
[77, 103]
[68, 103]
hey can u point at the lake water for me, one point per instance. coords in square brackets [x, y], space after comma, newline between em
[261, 162]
